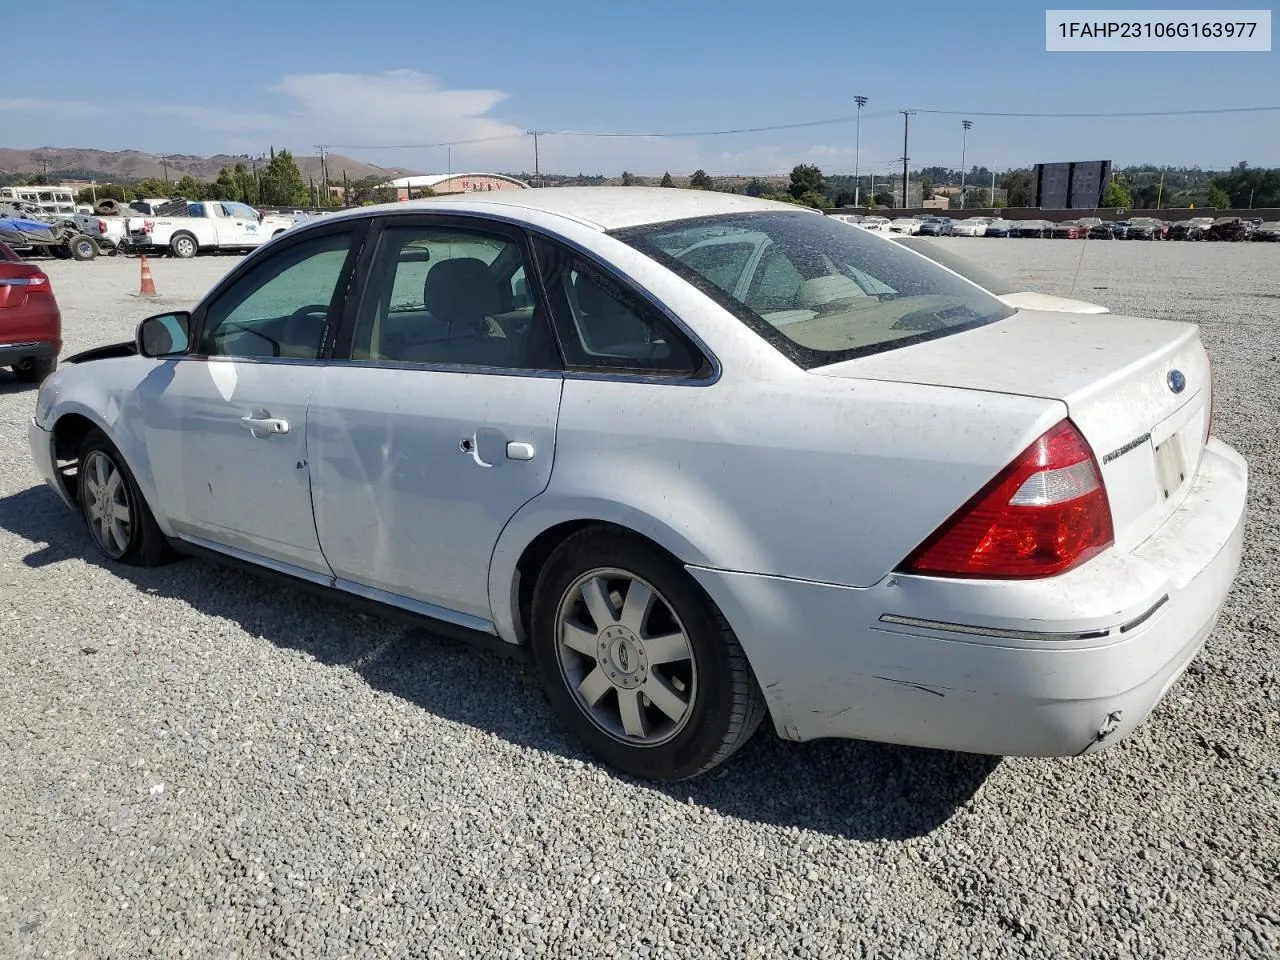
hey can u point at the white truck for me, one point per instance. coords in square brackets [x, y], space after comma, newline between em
[204, 226]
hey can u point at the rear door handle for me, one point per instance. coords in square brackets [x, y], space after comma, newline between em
[265, 426]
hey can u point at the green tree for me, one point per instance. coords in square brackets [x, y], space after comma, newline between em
[1218, 198]
[806, 178]
[667, 181]
[369, 190]
[225, 186]
[884, 199]
[1116, 195]
[1017, 184]
[150, 187]
[246, 188]
[755, 187]
[926, 188]
[628, 180]
[812, 198]
[701, 180]
[282, 183]
[108, 191]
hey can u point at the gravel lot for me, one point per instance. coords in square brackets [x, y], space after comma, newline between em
[199, 763]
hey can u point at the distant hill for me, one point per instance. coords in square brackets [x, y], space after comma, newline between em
[128, 165]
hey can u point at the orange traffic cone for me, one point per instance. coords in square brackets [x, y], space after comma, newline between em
[148, 284]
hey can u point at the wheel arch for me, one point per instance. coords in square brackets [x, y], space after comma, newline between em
[533, 534]
[71, 424]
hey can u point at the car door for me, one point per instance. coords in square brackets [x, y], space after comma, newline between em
[226, 430]
[440, 422]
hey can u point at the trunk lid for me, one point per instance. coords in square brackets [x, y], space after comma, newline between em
[14, 281]
[1116, 376]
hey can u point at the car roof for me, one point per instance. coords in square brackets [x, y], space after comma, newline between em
[605, 208]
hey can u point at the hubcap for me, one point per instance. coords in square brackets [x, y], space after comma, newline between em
[626, 657]
[106, 504]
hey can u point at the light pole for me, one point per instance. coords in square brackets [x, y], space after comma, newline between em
[964, 143]
[861, 101]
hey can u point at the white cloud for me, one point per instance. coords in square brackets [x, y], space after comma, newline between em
[363, 114]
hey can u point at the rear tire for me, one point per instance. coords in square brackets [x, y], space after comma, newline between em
[184, 246]
[83, 248]
[120, 523]
[637, 661]
[36, 371]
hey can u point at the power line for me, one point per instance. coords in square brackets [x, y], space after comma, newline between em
[719, 133]
[606, 134]
[1103, 116]
[423, 146]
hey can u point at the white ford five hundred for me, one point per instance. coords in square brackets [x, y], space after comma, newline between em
[708, 457]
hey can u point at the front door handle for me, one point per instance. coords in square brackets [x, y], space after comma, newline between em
[265, 426]
[519, 450]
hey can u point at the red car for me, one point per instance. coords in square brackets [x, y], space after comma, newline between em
[30, 321]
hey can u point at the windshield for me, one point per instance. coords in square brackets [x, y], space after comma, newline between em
[817, 291]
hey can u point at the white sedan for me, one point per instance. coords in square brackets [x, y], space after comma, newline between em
[907, 225]
[970, 227]
[875, 224]
[709, 458]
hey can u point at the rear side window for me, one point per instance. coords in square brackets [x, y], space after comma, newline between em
[605, 326]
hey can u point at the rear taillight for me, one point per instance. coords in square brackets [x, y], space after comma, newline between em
[1044, 514]
[38, 281]
[102, 227]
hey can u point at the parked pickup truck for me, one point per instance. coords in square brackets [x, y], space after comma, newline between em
[205, 226]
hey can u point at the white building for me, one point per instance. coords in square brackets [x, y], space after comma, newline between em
[440, 183]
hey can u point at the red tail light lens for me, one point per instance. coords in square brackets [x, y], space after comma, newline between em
[1044, 514]
[102, 226]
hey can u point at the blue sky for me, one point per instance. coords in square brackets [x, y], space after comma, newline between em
[238, 76]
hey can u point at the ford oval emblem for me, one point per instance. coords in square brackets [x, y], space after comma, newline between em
[1177, 381]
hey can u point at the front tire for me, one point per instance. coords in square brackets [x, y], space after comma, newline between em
[120, 523]
[637, 661]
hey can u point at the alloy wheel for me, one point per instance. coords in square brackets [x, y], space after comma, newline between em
[107, 505]
[626, 657]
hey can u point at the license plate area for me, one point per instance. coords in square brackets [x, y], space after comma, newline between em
[1171, 467]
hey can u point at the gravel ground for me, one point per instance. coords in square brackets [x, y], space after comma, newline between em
[199, 763]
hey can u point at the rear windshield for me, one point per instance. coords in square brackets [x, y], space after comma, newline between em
[947, 256]
[818, 291]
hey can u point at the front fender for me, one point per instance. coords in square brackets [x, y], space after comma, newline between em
[106, 393]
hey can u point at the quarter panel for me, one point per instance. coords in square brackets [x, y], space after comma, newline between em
[810, 477]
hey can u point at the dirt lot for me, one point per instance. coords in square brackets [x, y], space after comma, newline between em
[199, 763]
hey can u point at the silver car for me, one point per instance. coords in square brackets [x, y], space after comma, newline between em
[710, 458]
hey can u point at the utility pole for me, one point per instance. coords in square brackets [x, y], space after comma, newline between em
[537, 172]
[906, 123]
[1160, 192]
[164, 162]
[993, 191]
[324, 176]
[964, 143]
[861, 101]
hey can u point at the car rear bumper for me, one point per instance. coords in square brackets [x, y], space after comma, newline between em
[17, 352]
[1054, 667]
